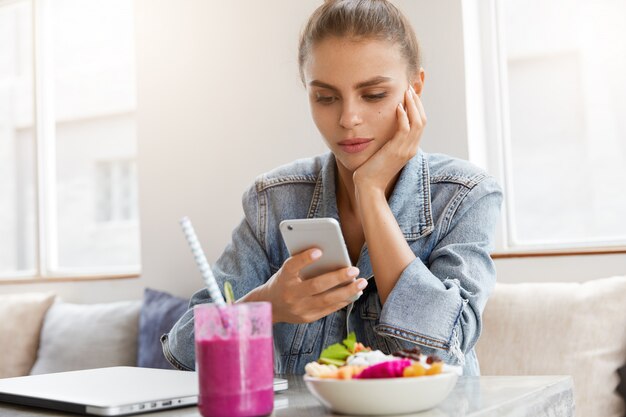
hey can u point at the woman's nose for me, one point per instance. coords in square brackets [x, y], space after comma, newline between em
[350, 116]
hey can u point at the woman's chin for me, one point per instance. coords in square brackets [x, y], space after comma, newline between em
[351, 162]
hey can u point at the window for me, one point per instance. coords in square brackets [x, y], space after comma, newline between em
[555, 96]
[67, 139]
[116, 191]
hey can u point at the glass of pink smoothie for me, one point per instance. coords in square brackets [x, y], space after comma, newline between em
[234, 359]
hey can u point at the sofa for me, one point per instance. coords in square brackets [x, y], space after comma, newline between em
[576, 329]
[39, 333]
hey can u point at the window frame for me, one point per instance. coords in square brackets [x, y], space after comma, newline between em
[489, 139]
[45, 178]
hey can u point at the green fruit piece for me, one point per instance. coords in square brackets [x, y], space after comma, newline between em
[329, 361]
[228, 291]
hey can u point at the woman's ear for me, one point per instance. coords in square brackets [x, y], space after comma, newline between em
[418, 84]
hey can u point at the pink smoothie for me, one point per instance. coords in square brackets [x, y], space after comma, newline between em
[236, 377]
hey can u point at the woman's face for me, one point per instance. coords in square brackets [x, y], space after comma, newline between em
[354, 89]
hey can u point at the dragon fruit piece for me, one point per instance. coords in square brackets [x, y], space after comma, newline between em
[389, 369]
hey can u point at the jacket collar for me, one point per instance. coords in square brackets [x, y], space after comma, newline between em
[409, 201]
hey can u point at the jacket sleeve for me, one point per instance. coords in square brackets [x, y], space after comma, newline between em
[440, 305]
[244, 263]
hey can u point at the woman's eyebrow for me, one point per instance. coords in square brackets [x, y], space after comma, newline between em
[368, 83]
[320, 84]
[372, 81]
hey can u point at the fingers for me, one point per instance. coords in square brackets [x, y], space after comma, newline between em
[295, 263]
[415, 109]
[411, 108]
[302, 301]
[341, 296]
[403, 119]
[411, 116]
[347, 292]
[330, 280]
[420, 107]
[335, 299]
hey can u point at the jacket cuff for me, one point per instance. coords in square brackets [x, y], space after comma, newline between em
[422, 309]
[167, 352]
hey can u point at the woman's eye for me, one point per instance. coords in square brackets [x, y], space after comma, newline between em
[325, 99]
[375, 97]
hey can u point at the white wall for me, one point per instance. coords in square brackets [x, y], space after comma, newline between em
[219, 101]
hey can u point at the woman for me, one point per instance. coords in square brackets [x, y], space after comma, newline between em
[418, 227]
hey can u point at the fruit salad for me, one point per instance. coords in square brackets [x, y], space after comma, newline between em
[352, 360]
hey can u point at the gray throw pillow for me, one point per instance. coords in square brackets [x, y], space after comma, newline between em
[84, 336]
[621, 388]
[159, 312]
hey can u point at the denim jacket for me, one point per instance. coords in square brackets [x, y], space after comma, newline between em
[447, 210]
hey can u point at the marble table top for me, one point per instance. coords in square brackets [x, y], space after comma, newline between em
[486, 396]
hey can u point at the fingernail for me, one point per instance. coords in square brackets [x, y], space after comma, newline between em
[361, 284]
[316, 254]
[401, 106]
[353, 271]
[412, 89]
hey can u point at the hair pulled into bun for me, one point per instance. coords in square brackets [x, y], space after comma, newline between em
[360, 19]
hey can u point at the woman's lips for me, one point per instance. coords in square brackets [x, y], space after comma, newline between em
[354, 145]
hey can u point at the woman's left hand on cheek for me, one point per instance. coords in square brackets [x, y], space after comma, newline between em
[380, 169]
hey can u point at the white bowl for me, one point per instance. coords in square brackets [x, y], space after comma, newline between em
[382, 396]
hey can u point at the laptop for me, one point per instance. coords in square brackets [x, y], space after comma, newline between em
[114, 391]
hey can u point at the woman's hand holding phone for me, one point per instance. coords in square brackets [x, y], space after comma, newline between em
[381, 168]
[303, 300]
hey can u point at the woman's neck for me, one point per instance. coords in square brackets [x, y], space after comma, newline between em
[346, 193]
[344, 185]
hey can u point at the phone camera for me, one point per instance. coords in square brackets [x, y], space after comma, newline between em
[289, 227]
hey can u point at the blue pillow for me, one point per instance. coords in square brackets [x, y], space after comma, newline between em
[159, 312]
[621, 388]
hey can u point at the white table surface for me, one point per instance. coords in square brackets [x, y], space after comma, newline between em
[487, 396]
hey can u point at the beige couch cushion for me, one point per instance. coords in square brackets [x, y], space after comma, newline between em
[83, 336]
[21, 316]
[576, 329]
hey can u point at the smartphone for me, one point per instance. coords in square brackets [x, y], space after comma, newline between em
[322, 233]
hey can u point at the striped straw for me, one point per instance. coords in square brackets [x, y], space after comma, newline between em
[205, 269]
